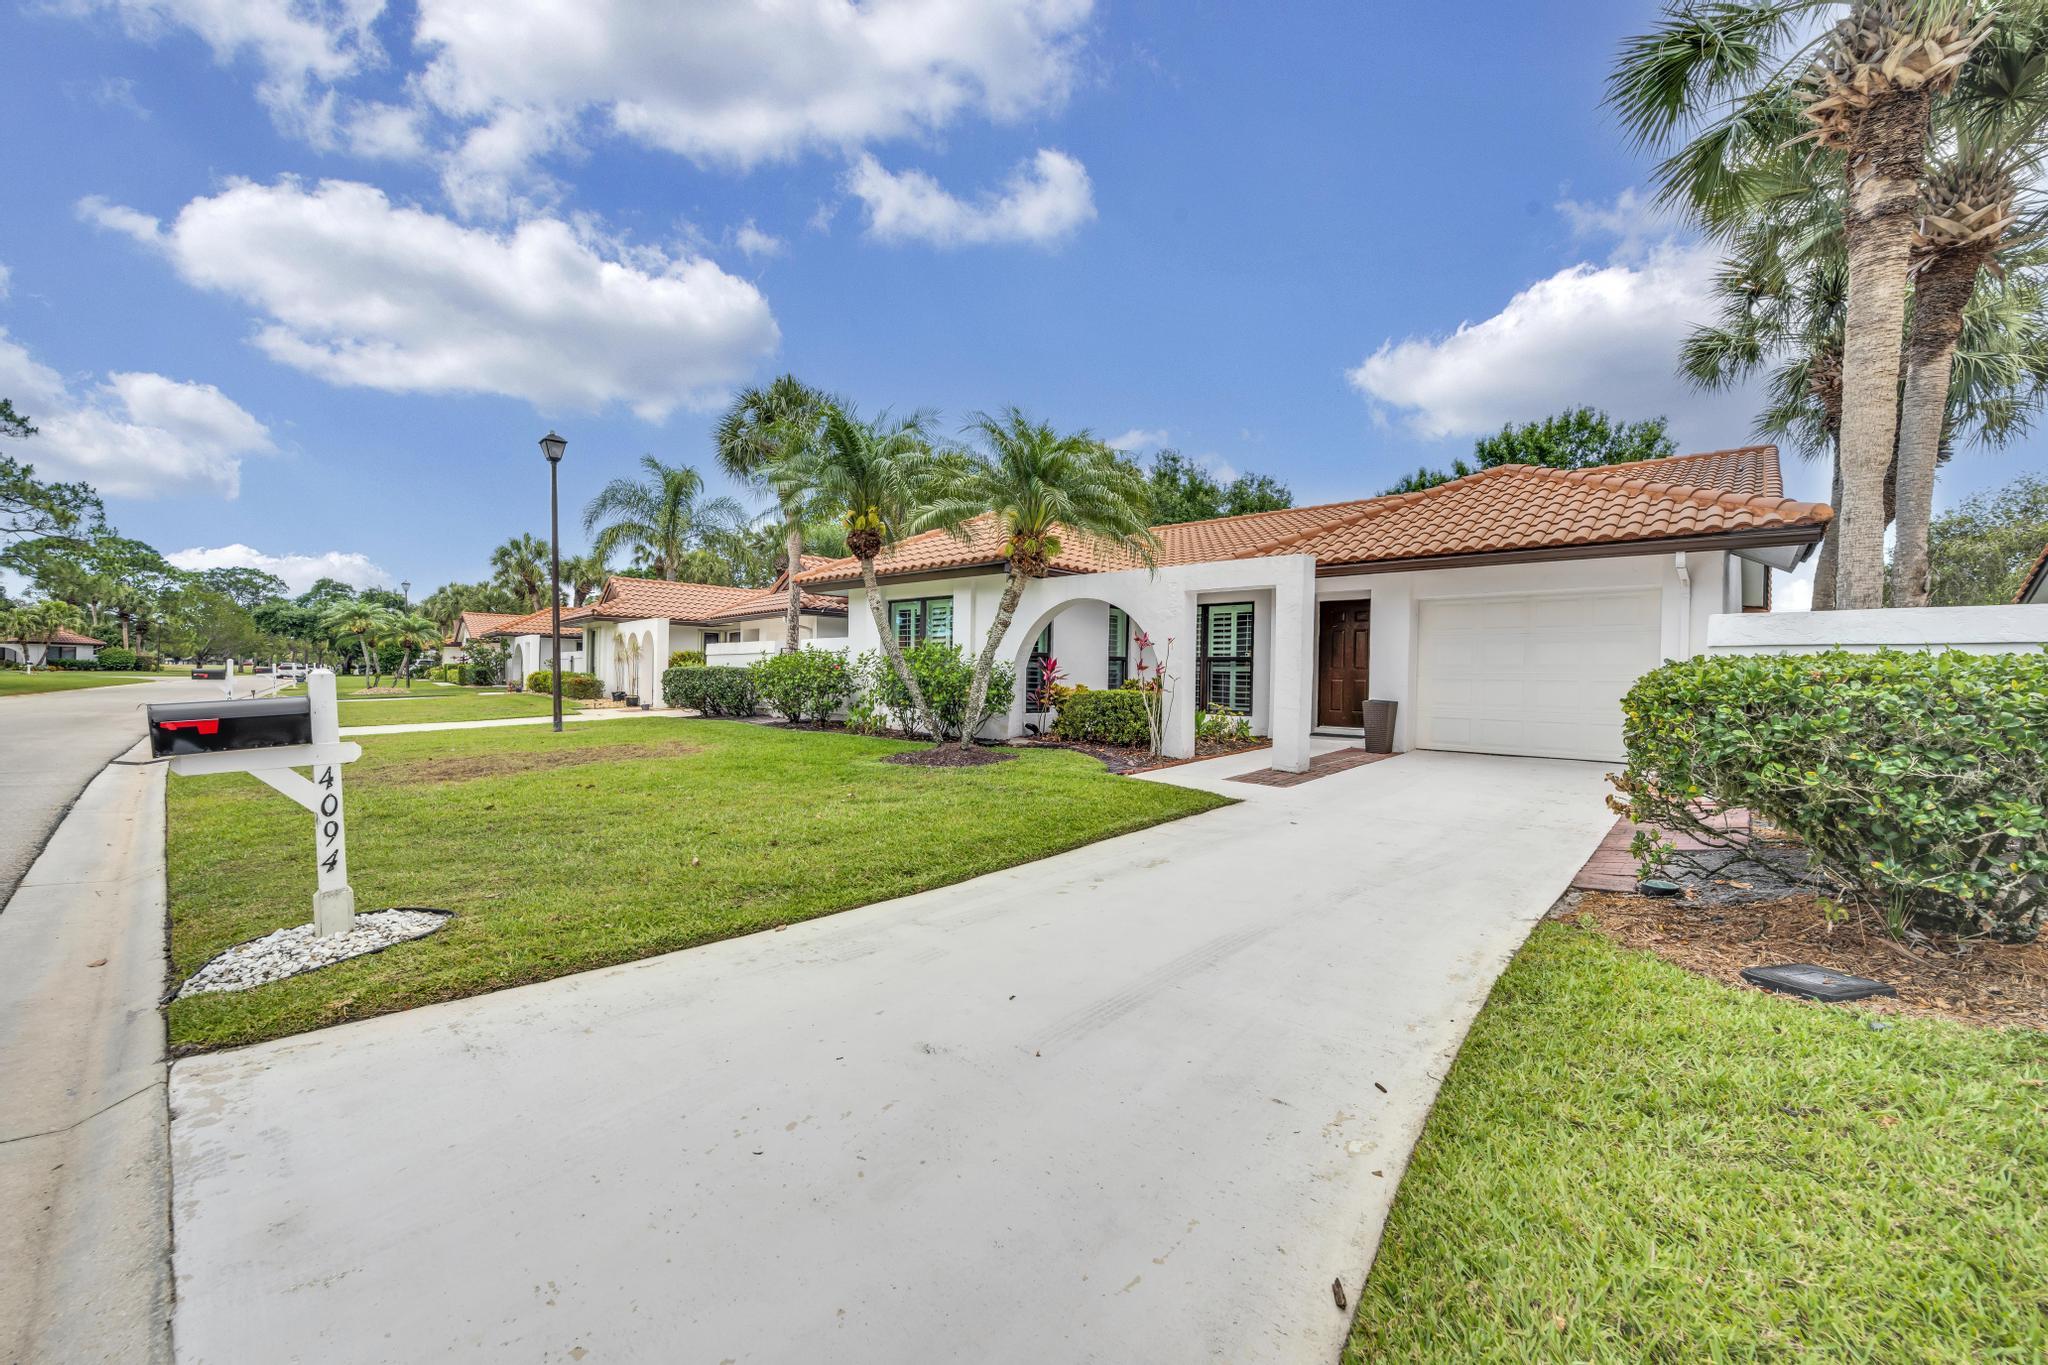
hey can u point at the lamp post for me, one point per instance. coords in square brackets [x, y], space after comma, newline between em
[405, 592]
[552, 446]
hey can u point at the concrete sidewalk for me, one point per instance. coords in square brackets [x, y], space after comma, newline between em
[1142, 1101]
[84, 1140]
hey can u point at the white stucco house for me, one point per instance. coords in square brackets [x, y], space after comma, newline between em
[473, 625]
[636, 623]
[530, 646]
[1505, 612]
[65, 644]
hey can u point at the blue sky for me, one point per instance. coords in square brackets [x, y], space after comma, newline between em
[300, 285]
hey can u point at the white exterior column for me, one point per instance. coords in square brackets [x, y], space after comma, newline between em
[1294, 662]
[1182, 620]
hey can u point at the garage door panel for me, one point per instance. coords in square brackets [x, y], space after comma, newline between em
[1533, 674]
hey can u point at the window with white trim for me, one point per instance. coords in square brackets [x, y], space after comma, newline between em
[1119, 647]
[1224, 671]
[917, 619]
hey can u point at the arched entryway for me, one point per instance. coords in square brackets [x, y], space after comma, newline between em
[1087, 642]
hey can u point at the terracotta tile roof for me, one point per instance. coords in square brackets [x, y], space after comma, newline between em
[62, 636]
[634, 599]
[775, 601]
[2034, 576]
[536, 622]
[1679, 495]
[480, 623]
[1519, 507]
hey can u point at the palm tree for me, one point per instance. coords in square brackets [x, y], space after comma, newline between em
[520, 566]
[764, 439]
[1038, 485]
[415, 634]
[875, 475]
[584, 575]
[659, 519]
[362, 622]
[1869, 95]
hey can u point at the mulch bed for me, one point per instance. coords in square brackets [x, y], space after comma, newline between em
[1119, 758]
[1974, 981]
[949, 756]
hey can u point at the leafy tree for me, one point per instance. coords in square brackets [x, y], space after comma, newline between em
[765, 439]
[1181, 490]
[1980, 550]
[1716, 70]
[1578, 438]
[1038, 484]
[101, 573]
[875, 475]
[325, 593]
[387, 598]
[660, 519]
[248, 588]
[205, 624]
[32, 507]
[37, 621]
[447, 602]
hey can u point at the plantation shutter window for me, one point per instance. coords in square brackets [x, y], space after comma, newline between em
[918, 619]
[1034, 669]
[1119, 648]
[1224, 675]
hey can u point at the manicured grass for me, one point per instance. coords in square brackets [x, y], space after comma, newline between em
[15, 684]
[431, 702]
[673, 833]
[1629, 1162]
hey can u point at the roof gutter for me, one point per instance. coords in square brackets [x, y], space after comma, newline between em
[1735, 542]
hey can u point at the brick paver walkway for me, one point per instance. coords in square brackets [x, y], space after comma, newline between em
[1322, 765]
[1612, 869]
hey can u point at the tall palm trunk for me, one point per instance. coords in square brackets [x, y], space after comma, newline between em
[985, 663]
[369, 678]
[1940, 295]
[793, 546]
[1824, 563]
[1884, 188]
[892, 650]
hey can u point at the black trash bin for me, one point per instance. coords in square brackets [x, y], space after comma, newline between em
[1379, 727]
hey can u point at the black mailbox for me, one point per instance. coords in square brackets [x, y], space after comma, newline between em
[209, 674]
[206, 727]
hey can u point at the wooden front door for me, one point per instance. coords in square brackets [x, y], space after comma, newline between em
[1343, 651]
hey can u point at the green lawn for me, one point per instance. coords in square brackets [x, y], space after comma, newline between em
[1629, 1162]
[431, 702]
[15, 684]
[657, 834]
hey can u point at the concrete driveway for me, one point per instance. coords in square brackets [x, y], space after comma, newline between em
[1141, 1102]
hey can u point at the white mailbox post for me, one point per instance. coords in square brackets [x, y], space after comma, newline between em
[334, 903]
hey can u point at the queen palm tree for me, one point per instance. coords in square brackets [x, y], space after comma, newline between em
[765, 439]
[1867, 90]
[520, 566]
[363, 622]
[874, 474]
[659, 518]
[1038, 485]
[415, 634]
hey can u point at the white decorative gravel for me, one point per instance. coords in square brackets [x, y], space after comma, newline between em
[289, 952]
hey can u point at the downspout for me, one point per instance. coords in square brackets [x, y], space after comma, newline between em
[1684, 570]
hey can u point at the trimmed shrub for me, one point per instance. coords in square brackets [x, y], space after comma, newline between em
[1917, 781]
[809, 684]
[117, 659]
[581, 686]
[718, 691]
[147, 662]
[1102, 718]
[686, 658]
[944, 674]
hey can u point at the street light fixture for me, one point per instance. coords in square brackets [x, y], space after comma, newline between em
[552, 446]
[405, 590]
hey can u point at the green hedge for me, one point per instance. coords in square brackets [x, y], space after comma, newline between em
[1916, 781]
[809, 684]
[686, 658]
[721, 691]
[1093, 717]
[116, 659]
[581, 686]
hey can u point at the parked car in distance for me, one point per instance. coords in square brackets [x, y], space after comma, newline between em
[289, 672]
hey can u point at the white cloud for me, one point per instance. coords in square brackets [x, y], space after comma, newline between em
[1608, 335]
[756, 243]
[135, 435]
[1043, 200]
[1793, 591]
[360, 291]
[1139, 438]
[299, 572]
[303, 47]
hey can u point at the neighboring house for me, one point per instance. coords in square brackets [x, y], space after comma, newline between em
[2034, 588]
[473, 625]
[65, 644]
[1505, 612]
[636, 623]
[526, 638]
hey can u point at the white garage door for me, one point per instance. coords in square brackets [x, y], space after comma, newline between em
[1532, 675]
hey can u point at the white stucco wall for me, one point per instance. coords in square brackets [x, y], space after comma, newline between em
[1975, 630]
